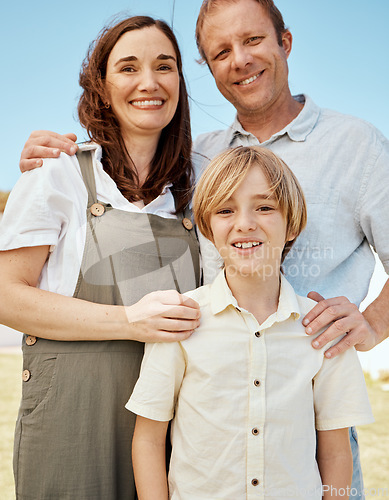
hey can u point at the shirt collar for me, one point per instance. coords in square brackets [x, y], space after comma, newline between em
[288, 306]
[297, 130]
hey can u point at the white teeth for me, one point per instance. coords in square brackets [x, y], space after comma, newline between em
[147, 103]
[247, 244]
[249, 80]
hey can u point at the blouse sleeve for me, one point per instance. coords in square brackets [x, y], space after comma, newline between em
[42, 204]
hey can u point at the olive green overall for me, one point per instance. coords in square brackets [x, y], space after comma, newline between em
[73, 435]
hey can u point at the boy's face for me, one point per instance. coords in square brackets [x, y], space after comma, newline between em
[249, 230]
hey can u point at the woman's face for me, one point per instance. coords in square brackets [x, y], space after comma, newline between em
[143, 82]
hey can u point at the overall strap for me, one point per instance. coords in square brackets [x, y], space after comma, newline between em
[86, 166]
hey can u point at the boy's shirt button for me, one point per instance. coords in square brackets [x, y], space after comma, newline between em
[257, 383]
[257, 334]
[255, 431]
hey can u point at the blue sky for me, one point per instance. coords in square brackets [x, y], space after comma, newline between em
[339, 58]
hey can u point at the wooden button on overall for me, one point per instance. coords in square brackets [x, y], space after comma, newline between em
[26, 375]
[187, 223]
[31, 340]
[97, 209]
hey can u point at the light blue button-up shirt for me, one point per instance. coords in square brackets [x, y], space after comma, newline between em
[342, 164]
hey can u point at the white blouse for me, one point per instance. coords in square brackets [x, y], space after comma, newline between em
[48, 207]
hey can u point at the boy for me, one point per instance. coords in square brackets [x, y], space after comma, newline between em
[246, 390]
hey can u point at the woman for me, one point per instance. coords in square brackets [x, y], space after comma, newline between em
[96, 233]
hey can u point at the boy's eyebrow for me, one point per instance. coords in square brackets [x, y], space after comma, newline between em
[262, 196]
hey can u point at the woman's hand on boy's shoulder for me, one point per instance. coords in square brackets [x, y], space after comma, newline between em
[341, 318]
[45, 144]
[163, 316]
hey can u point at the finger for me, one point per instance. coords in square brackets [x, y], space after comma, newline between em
[333, 332]
[172, 297]
[177, 325]
[181, 312]
[328, 306]
[165, 336]
[46, 137]
[26, 165]
[347, 341]
[315, 296]
[40, 147]
[71, 136]
[35, 152]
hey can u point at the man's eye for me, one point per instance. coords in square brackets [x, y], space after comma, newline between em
[255, 39]
[221, 54]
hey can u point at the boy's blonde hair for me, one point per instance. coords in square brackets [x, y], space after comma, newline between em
[226, 172]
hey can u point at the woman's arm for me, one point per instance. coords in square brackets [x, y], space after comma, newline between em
[148, 459]
[335, 462]
[158, 317]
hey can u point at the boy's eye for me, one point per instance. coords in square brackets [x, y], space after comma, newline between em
[265, 208]
[224, 211]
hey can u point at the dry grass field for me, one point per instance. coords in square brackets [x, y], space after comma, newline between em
[3, 200]
[373, 438]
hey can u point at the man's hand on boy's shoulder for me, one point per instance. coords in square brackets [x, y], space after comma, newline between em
[342, 319]
[45, 144]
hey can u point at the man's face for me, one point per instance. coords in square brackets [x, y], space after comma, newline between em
[248, 64]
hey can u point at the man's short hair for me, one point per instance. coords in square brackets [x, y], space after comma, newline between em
[208, 5]
[226, 172]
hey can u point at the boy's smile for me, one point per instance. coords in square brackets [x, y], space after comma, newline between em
[249, 229]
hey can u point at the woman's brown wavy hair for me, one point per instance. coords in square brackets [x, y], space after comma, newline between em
[172, 159]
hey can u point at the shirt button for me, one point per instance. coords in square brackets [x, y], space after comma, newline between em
[187, 223]
[26, 375]
[257, 383]
[31, 340]
[254, 482]
[255, 431]
[97, 209]
[257, 334]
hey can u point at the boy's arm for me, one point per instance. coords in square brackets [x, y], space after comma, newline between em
[335, 462]
[148, 459]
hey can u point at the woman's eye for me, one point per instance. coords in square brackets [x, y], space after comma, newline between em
[128, 69]
[165, 67]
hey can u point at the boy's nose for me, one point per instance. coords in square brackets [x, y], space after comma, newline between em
[245, 222]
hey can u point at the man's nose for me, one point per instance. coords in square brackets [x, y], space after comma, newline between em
[241, 57]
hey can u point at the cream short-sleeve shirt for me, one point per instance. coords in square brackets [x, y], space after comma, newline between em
[246, 400]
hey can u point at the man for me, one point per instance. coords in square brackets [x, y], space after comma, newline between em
[341, 162]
